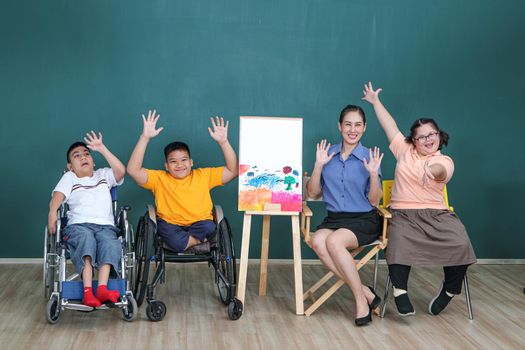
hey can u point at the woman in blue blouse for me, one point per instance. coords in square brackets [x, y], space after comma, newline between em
[347, 175]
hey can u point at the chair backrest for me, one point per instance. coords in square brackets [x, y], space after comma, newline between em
[387, 192]
[306, 178]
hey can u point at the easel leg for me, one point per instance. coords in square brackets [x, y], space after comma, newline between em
[264, 255]
[243, 263]
[298, 272]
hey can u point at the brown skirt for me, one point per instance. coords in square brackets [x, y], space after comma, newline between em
[428, 237]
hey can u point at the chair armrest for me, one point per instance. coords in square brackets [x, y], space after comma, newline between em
[384, 213]
[218, 214]
[152, 213]
[306, 210]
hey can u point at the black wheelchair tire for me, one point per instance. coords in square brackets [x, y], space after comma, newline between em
[156, 310]
[225, 262]
[235, 309]
[142, 252]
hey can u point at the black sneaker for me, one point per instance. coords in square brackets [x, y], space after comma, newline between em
[404, 306]
[440, 301]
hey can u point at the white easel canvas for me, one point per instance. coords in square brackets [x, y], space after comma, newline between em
[270, 163]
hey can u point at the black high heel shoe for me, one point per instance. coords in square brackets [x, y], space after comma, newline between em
[361, 321]
[377, 300]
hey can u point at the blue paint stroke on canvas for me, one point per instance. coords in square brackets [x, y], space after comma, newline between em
[263, 180]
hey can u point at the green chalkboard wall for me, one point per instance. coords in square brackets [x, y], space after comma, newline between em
[67, 67]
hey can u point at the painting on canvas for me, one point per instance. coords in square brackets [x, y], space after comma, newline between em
[270, 163]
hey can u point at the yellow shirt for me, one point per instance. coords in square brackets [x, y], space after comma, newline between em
[184, 201]
[413, 189]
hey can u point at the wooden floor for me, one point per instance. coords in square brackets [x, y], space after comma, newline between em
[197, 320]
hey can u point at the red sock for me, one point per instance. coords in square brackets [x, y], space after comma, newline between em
[103, 294]
[89, 298]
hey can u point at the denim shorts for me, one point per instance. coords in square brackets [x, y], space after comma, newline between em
[100, 242]
[177, 237]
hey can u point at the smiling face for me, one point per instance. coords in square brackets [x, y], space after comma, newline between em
[178, 164]
[81, 162]
[426, 139]
[352, 128]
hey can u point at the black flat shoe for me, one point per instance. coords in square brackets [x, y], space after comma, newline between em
[361, 321]
[404, 306]
[377, 300]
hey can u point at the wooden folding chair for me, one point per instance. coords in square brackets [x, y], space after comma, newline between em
[368, 252]
[386, 201]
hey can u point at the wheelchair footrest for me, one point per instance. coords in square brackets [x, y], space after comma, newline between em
[74, 290]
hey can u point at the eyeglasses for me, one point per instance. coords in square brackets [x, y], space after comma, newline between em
[424, 138]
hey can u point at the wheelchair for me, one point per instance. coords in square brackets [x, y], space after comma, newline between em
[218, 251]
[65, 290]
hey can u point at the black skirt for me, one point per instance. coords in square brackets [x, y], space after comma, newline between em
[367, 227]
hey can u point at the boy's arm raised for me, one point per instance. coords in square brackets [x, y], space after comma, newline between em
[383, 116]
[135, 169]
[94, 142]
[220, 134]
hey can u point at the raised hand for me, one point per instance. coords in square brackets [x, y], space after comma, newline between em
[150, 123]
[372, 165]
[370, 95]
[321, 156]
[220, 130]
[94, 141]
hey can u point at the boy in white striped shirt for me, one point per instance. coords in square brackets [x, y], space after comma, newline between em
[90, 234]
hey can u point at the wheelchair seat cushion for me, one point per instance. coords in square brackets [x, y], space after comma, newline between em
[202, 248]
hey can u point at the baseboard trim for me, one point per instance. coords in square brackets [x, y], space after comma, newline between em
[383, 261]
[14, 261]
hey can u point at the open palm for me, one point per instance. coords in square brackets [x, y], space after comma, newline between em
[372, 165]
[150, 123]
[369, 94]
[94, 141]
[220, 129]
[321, 156]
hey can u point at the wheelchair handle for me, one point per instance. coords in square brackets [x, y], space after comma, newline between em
[114, 194]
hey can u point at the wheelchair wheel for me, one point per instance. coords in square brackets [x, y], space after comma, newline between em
[235, 309]
[225, 263]
[131, 272]
[53, 309]
[156, 310]
[129, 313]
[49, 271]
[143, 241]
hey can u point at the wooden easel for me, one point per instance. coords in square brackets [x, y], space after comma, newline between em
[296, 238]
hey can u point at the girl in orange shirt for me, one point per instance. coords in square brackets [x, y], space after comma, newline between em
[422, 231]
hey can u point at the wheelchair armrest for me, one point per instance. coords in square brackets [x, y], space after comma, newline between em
[383, 212]
[152, 213]
[218, 214]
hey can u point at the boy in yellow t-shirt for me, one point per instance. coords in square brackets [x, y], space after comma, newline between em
[182, 194]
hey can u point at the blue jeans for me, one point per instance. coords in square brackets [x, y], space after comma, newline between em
[99, 242]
